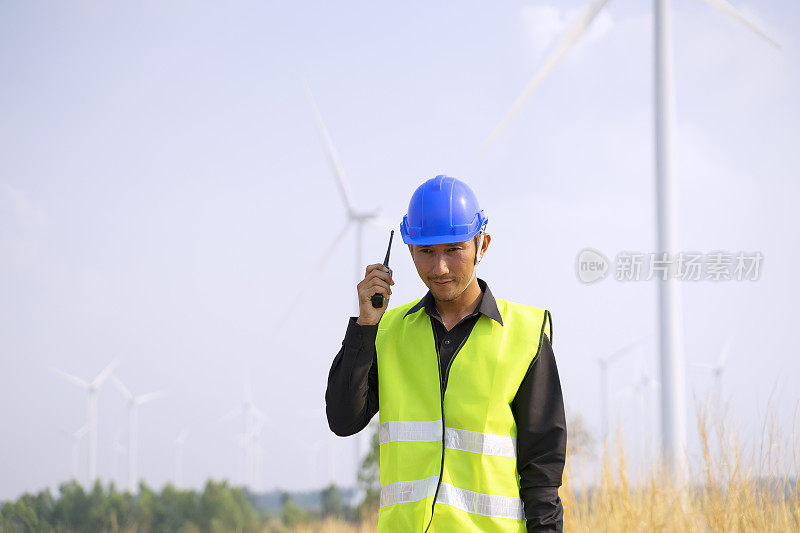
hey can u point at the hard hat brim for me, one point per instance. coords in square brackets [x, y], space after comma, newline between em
[442, 239]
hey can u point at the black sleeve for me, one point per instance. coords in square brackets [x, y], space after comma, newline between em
[541, 442]
[351, 399]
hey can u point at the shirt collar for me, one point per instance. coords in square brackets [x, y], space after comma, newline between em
[487, 305]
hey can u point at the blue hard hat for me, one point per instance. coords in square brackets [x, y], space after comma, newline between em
[442, 210]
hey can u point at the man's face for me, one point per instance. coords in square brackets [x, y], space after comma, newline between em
[444, 268]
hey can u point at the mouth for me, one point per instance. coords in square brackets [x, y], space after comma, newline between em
[442, 282]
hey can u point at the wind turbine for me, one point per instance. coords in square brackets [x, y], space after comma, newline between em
[673, 395]
[75, 438]
[604, 361]
[717, 369]
[180, 442]
[355, 217]
[253, 422]
[92, 388]
[640, 388]
[133, 421]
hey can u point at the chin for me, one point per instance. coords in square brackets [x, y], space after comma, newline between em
[444, 294]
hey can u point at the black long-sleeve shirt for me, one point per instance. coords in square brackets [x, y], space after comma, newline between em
[352, 400]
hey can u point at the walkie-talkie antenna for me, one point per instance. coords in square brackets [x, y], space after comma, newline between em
[377, 298]
[389, 250]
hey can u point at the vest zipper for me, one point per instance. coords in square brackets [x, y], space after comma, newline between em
[442, 386]
[441, 407]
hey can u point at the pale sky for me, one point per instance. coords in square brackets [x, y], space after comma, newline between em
[164, 195]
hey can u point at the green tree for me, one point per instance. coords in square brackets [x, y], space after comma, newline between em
[292, 514]
[71, 511]
[20, 516]
[225, 509]
[332, 504]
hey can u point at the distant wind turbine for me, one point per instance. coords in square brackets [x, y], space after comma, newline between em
[640, 390]
[180, 443]
[604, 361]
[75, 438]
[253, 420]
[673, 396]
[355, 217]
[133, 426]
[92, 388]
[717, 369]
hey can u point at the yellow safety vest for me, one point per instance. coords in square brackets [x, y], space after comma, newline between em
[457, 446]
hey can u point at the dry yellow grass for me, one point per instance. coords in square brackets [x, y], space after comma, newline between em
[727, 490]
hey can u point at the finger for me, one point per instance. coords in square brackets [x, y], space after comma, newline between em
[378, 286]
[381, 274]
[377, 283]
[370, 268]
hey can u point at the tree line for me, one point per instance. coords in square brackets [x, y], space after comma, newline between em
[217, 507]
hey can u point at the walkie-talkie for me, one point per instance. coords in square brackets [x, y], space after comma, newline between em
[377, 298]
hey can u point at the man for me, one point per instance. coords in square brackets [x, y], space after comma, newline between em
[472, 429]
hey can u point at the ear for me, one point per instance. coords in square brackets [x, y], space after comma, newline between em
[486, 239]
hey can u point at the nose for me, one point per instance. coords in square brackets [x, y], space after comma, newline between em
[440, 266]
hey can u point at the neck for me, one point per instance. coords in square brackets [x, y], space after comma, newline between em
[464, 304]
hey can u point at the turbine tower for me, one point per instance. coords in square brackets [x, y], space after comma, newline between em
[671, 367]
[92, 388]
[133, 425]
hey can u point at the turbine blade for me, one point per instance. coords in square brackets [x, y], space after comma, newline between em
[122, 388]
[69, 377]
[704, 365]
[569, 38]
[103, 375]
[149, 397]
[333, 158]
[308, 281]
[728, 9]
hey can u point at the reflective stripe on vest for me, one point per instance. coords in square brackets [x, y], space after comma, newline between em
[408, 491]
[403, 431]
[466, 500]
[483, 504]
[456, 439]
